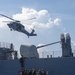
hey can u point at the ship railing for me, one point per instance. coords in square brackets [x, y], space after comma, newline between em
[5, 45]
[53, 54]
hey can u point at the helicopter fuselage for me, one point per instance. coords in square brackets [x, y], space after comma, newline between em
[15, 26]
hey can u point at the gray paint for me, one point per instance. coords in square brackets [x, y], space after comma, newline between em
[55, 66]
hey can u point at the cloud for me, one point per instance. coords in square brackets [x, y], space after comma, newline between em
[57, 21]
[43, 19]
[73, 42]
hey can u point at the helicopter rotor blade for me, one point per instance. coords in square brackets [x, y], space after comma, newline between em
[29, 19]
[6, 21]
[9, 18]
[32, 18]
[16, 20]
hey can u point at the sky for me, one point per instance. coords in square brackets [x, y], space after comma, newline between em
[53, 17]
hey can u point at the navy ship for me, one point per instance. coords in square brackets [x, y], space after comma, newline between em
[10, 63]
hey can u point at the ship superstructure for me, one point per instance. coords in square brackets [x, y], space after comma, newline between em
[7, 51]
[64, 65]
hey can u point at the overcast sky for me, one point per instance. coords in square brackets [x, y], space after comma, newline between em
[53, 17]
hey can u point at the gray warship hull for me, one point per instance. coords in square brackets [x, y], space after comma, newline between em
[54, 66]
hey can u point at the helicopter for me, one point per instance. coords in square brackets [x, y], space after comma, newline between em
[17, 26]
